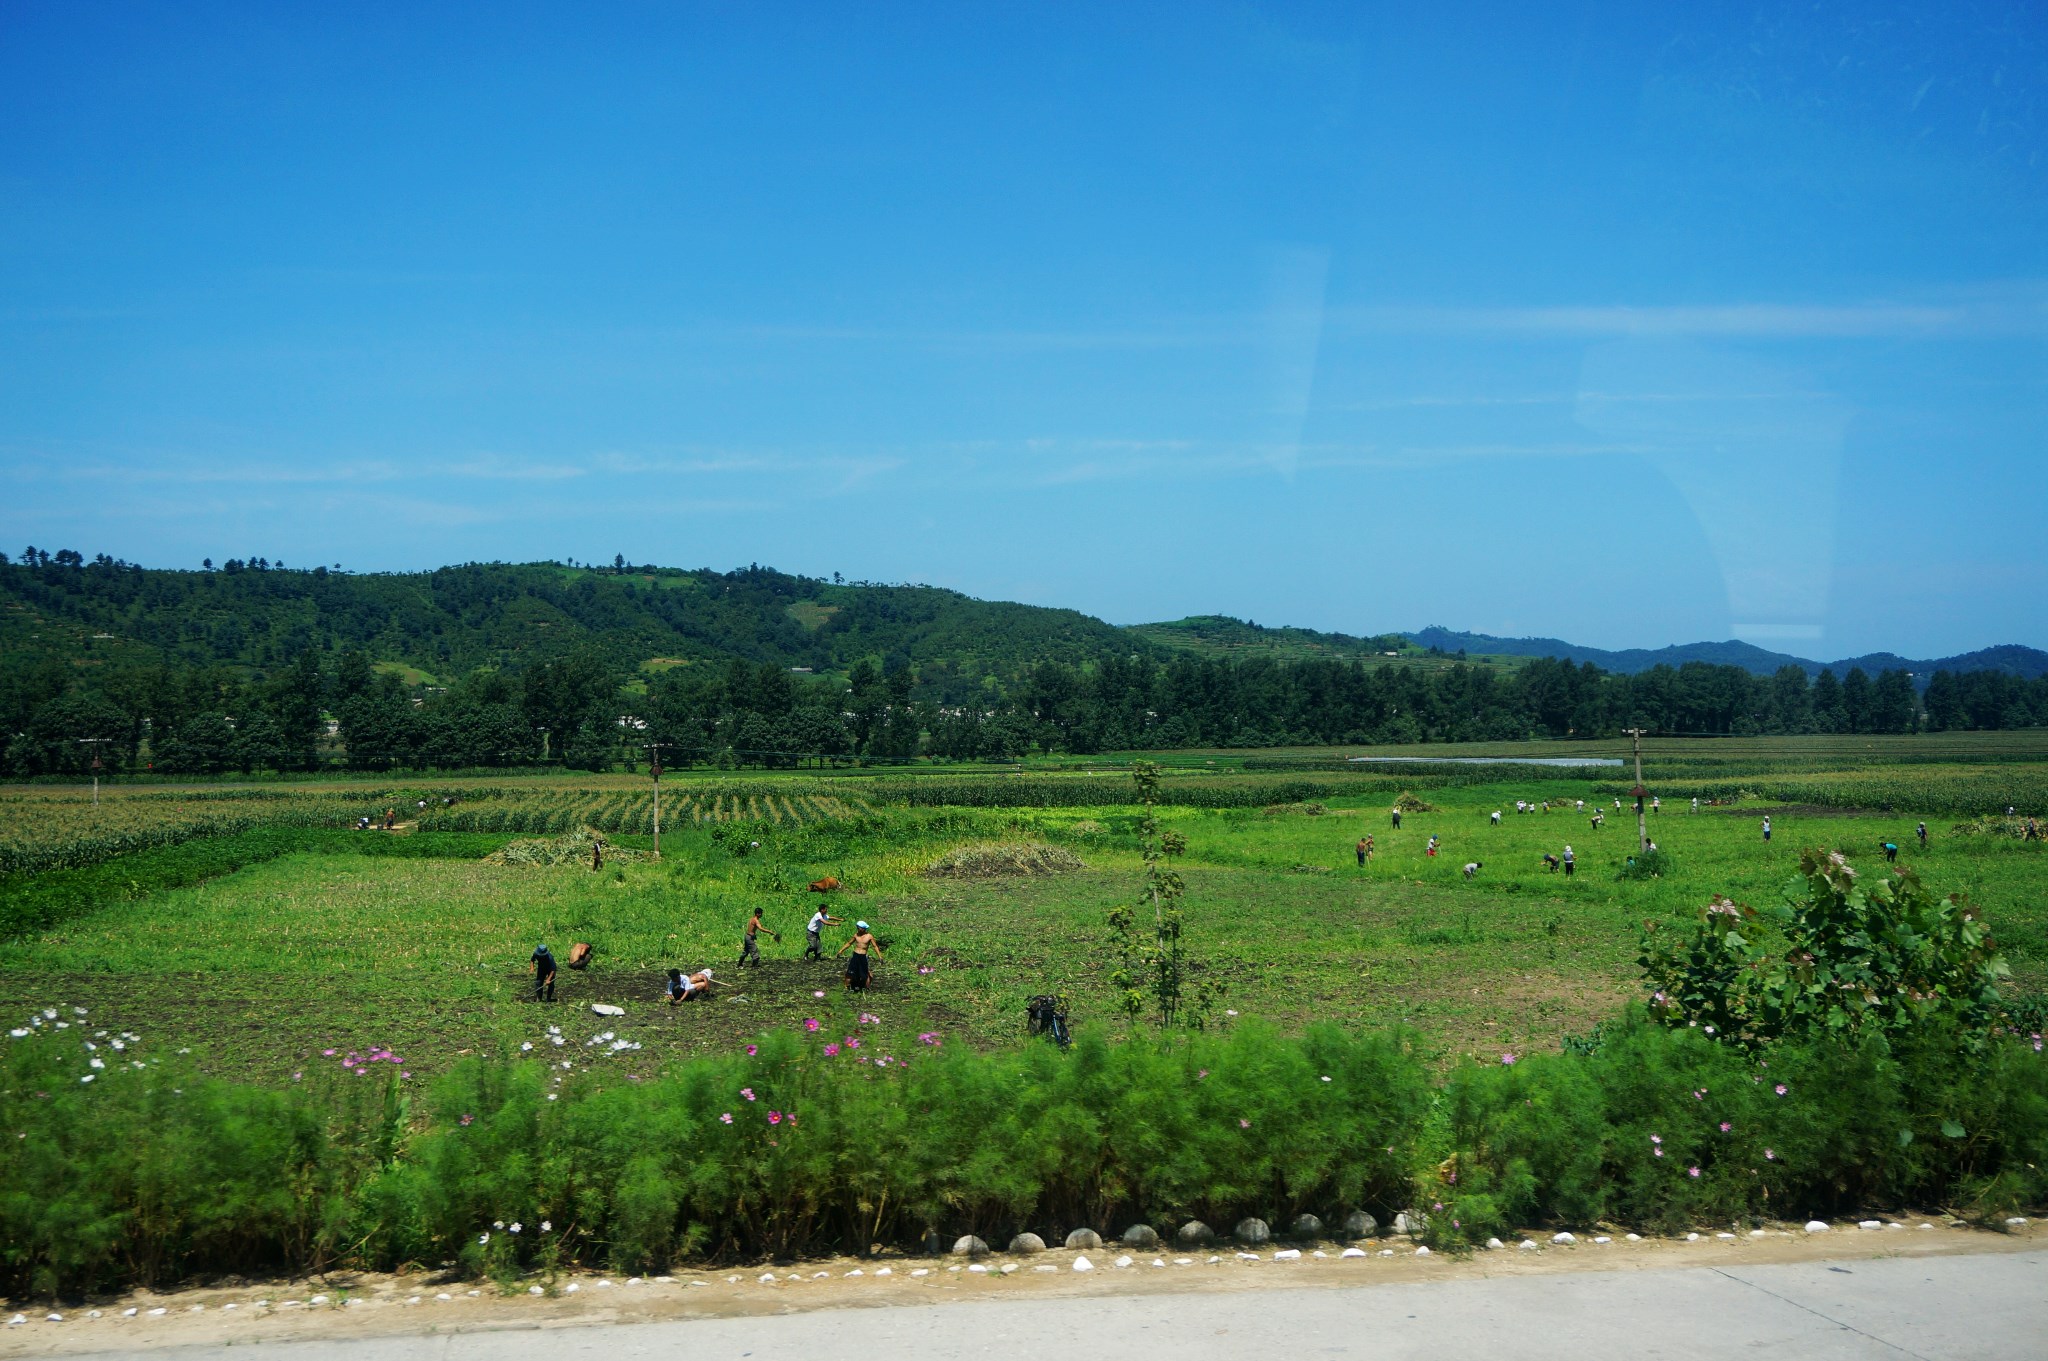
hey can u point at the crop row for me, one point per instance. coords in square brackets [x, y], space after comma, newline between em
[632, 813]
[38, 834]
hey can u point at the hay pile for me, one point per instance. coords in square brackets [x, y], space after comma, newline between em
[1003, 859]
[570, 849]
[1408, 803]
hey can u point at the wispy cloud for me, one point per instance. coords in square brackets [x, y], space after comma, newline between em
[2022, 312]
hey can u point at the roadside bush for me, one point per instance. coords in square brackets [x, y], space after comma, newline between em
[141, 1172]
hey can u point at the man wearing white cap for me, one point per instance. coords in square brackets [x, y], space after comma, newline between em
[863, 944]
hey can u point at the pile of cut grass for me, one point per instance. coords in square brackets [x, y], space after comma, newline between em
[574, 848]
[1002, 860]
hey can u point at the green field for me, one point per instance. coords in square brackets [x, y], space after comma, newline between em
[263, 969]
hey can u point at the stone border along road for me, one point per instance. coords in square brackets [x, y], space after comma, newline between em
[1932, 1294]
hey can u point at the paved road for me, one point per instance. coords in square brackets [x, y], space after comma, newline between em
[1938, 1309]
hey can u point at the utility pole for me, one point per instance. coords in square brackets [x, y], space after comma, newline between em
[654, 754]
[1642, 830]
[94, 744]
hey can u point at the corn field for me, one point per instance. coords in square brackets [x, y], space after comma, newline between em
[53, 832]
[555, 811]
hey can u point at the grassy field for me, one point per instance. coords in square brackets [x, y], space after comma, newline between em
[264, 969]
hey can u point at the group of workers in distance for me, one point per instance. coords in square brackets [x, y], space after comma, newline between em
[862, 952]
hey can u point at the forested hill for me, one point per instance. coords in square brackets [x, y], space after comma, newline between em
[455, 620]
[2011, 659]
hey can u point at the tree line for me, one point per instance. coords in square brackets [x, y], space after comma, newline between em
[583, 710]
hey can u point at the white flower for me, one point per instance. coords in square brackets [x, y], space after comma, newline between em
[515, 1226]
[547, 1226]
[483, 1238]
[18, 1032]
[88, 1077]
[525, 1045]
[497, 1223]
[99, 1063]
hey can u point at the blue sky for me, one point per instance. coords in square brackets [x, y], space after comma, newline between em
[1628, 324]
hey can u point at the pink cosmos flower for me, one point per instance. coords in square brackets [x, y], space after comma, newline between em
[774, 1117]
[1658, 1151]
[467, 1118]
[725, 1119]
[1780, 1089]
[328, 1053]
[1244, 1124]
[1692, 1171]
[1656, 1138]
[753, 1049]
[818, 994]
[852, 1043]
[1201, 1073]
[831, 1051]
[810, 1023]
[1699, 1094]
[1507, 1060]
[1769, 1156]
[1725, 1127]
[747, 1092]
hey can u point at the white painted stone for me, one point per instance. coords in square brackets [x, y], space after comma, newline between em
[1422, 1252]
[536, 1290]
[1603, 1238]
[1816, 1226]
[1083, 1264]
[858, 1272]
[1386, 1252]
[1564, 1238]
[1353, 1252]
[978, 1269]
[1183, 1261]
[1009, 1267]
[881, 1271]
[1287, 1255]
[767, 1278]
[2016, 1221]
[1635, 1238]
[1692, 1238]
[1053, 1269]
[1528, 1245]
[1494, 1245]
[1729, 1236]
[1756, 1233]
[1879, 1223]
[1121, 1262]
[921, 1271]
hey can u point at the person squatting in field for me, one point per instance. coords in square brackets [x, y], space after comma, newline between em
[543, 960]
[750, 946]
[814, 945]
[1472, 867]
[857, 966]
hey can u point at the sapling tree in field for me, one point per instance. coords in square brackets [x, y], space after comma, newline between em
[1843, 955]
[1153, 972]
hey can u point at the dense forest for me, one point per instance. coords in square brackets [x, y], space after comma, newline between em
[253, 667]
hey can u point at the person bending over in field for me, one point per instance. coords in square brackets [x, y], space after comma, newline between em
[814, 944]
[1550, 862]
[858, 967]
[1891, 852]
[543, 960]
[687, 987]
[1496, 814]
[1472, 867]
[750, 946]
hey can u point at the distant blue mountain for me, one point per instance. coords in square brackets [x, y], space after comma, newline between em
[2011, 658]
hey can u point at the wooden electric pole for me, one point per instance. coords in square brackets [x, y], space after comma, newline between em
[654, 767]
[1642, 829]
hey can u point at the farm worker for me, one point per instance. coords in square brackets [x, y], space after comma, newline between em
[815, 946]
[863, 944]
[580, 954]
[1368, 846]
[1397, 819]
[684, 987]
[1767, 827]
[1598, 818]
[750, 947]
[1569, 858]
[597, 852]
[1496, 814]
[1921, 832]
[1472, 867]
[1891, 852]
[543, 973]
[1656, 804]
[1364, 845]
[1581, 805]
[1431, 848]
[1695, 803]
[1550, 862]
[1649, 845]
